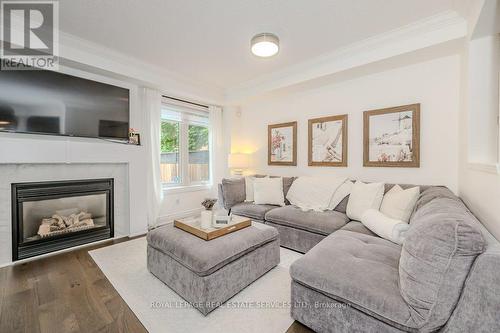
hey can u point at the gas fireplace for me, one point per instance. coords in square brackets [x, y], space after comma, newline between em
[51, 216]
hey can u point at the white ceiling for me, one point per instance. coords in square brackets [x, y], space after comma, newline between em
[208, 40]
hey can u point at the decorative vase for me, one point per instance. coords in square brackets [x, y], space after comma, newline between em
[206, 219]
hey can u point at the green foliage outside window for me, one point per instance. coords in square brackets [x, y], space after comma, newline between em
[169, 137]
[197, 136]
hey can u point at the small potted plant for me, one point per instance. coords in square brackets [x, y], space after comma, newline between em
[207, 214]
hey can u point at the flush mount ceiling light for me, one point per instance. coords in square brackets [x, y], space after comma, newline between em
[265, 45]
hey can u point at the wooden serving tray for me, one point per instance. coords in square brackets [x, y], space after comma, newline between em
[193, 226]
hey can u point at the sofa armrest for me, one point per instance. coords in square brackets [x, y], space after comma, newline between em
[220, 196]
[231, 192]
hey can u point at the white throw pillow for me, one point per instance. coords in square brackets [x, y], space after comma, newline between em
[268, 191]
[314, 193]
[249, 187]
[363, 197]
[343, 191]
[390, 229]
[398, 203]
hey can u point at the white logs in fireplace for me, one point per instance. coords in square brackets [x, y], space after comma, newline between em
[59, 223]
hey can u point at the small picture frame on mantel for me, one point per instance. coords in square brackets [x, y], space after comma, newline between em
[391, 137]
[134, 138]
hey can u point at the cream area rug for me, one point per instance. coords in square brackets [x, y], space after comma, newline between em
[264, 306]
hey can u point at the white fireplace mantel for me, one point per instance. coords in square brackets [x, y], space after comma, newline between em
[26, 158]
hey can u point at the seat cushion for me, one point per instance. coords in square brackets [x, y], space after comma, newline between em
[357, 226]
[323, 223]
[251, 210]
[329, 315]
[359, 270]
[205, 257]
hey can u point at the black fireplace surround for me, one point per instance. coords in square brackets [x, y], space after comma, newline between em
[34, 202]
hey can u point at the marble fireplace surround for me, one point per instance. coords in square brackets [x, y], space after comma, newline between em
[18, 173]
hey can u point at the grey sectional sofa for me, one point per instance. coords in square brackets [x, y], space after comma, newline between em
[445, 277]
[299, 231]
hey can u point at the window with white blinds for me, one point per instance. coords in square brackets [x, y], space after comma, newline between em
[185, 147]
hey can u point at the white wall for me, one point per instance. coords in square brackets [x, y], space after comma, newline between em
[177, 205]
[483, 70]
[479, 184]
[433, 83]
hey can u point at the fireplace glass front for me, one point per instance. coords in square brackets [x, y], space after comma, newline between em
[50, 216]
[54, 217]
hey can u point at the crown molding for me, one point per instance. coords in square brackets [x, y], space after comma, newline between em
[485, 20]
[89, 54]
[433, 30]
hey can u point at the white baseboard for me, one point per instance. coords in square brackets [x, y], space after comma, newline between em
[137, 234]
[178, 215]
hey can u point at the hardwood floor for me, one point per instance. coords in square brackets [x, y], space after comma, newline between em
[67, 293]
[62, 293]
[297, 327]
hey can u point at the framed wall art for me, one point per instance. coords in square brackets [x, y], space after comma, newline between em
[327, 141]
[282, 144]
[391, 137]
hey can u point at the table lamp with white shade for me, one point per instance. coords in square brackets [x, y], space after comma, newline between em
[238, 162]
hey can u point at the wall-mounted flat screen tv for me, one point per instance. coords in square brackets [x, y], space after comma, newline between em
[46, 102]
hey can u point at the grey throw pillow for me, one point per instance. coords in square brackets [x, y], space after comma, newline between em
[437, 254]
[233, 191]
[342, 206]
[287, 183]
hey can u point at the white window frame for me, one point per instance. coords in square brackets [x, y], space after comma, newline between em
[184, 122]
[492, 165]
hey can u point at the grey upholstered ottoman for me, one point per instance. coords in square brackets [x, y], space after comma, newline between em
[208, 273]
